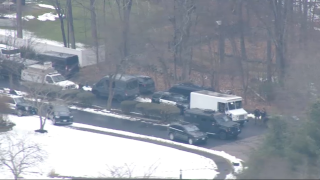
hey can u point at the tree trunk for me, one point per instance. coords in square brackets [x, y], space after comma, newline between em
[126, 26]
[269, 59]
[94, 32]
[70, 24]
[244, 76]
[60, 15]
[19, 19]
[175, 40]
[305, 24]
[212, 62]
[105, 34]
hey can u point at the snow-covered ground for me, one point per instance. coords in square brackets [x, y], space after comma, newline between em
[71, 152]
[31, 36]
[46, 6]
[48, 17]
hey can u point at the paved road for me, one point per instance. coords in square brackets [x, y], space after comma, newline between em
[250, 130]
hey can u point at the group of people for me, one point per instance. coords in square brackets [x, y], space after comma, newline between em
[260, 114]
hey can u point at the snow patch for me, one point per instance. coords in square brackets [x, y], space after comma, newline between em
[46, 6]
[104, 112]
[78, 153]
[48, 17]
[142, 99]
[87, 88]
[237, 163]
[30, 35]
[28, 17]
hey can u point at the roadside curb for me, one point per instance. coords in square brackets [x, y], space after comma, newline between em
[226, 166]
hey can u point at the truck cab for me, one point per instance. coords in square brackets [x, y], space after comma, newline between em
[213, 123]
[231, 105]
[38, 73]
[9, 52]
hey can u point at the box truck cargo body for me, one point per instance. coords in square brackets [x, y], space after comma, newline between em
[224, 103]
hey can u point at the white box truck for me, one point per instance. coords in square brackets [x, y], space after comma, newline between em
[46, 74]
[224, 103]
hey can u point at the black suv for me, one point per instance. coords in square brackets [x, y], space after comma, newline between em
[172, 99]
[146, 84]
[21, 106]
[59, 113]
[186, 88]
[213, 123]
[187, 132]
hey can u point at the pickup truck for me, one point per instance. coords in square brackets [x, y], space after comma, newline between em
[46, 74]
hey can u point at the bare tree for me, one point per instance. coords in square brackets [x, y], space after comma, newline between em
[61, 14]
[94, 29]
[19, 155]
[40, 94]
[124, 9]
[19, 19]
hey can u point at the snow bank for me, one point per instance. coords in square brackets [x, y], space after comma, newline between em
[232, 159]
[46, 6]
[77, 153]
[142, 99]
[48, 17]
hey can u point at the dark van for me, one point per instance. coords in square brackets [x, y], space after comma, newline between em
[213, 123]
[125, 87]
[65, 64]
[186, 89]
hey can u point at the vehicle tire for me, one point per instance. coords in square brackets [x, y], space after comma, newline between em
[118, 99]
[53, 121]
[241, 124]
[204, 142]
[223, 135]
[171, 137]
[19, 113]
[190, 141]
[95, 92]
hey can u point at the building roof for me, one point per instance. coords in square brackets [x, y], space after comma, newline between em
[57, 54]
[216, 94]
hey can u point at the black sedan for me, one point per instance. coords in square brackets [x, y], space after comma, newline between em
[186, 132]
[59, 114]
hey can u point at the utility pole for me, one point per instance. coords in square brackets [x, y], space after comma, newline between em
[19, 19]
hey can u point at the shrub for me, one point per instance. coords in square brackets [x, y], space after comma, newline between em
[85, 98]
[69, 94]
[162, 111]
[128, 106]
[27, 52]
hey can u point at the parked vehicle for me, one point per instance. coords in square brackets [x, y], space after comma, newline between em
[146, 84]
[172, 99]
[125, 87]
[187, 132]
[59, 113]
[186, 89]
[65, 64]
[224, 103]
[9, 52]
[38, 73]
[20, 106]
[213, 123]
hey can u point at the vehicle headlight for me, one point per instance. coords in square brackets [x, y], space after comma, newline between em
[27, 108]
[57, 116]
[71, 116]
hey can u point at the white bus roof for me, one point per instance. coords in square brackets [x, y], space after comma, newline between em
[226, 97]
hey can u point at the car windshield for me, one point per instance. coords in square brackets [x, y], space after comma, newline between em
[145, 79]
[58, 78]
[179, 98]
[191, 128]
[19, 100]
[235, 105]
[61, 108]
[11, 51]
[222, 118]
